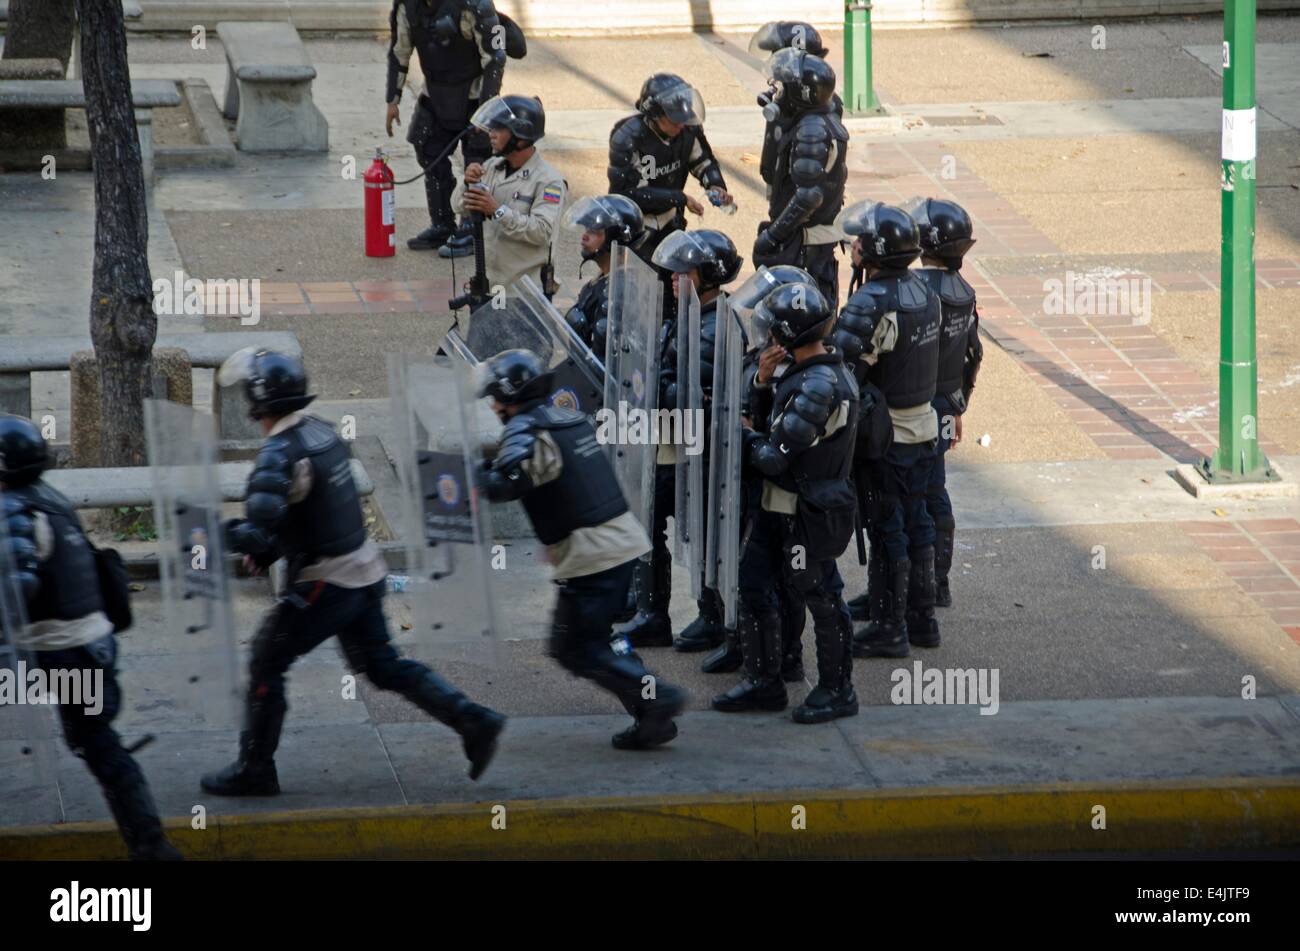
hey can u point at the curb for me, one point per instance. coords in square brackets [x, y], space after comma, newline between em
[1009, 821]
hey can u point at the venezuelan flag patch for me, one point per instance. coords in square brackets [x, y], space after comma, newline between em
[552, 193]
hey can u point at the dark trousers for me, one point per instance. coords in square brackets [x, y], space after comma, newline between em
[91, 736]
[819, 260]
[581, 629]
[438, 120]
[307, 615]
[768, 566]
[937, 502]
[899, 521]
[661, 558]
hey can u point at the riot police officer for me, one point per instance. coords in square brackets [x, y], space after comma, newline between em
[946, 236]
[517, 192]
[893, 321]
[303, 506]
[807, 168]
[708, 260]
[603, 221]
[805, 516]
[69, 630]
[463, 63]
[652, 153]
[550, 460]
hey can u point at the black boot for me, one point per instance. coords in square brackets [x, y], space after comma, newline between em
[137, 819]
[860, 607]
[652, 627]
[443, 222]
[707, 630]
[889, 637]
[460, 244]
[253, 773]
[727, 658]
[478, 726]
[833, 696]
[654, 724]
[944, 530]
[922, 625]
[761, 687]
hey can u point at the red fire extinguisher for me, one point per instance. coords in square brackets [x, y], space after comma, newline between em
[381, 225]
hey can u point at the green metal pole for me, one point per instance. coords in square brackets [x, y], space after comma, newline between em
[1238, 458]
[859, 92]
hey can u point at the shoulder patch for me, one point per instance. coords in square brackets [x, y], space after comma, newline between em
[552, 194]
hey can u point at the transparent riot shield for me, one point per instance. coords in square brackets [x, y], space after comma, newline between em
[28, 787]
[632, 377]
[200, 639]
[689, 551]
[722, 562]
[439, 430]
[526, 320]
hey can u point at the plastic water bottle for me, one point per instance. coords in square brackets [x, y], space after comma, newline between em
[397, 583]
[728, 209]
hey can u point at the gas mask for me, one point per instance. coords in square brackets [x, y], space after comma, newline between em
[769, 103]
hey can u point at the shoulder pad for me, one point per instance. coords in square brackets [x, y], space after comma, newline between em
[812, 128]
[626, 132]
[913, 293]
[954, 290]
[835, 125]
[817, 383]
[483, 9]
[317, 434]
[13, 504]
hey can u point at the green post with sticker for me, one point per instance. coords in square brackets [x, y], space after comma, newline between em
[859, 90]
[1238, 458]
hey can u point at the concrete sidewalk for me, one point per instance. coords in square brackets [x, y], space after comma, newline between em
[1178, 773]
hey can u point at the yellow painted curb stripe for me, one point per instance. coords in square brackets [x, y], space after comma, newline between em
[844, 823]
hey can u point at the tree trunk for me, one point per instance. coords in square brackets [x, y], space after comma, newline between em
[38, 29]
[122, 322]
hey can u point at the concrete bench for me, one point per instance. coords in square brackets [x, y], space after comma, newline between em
[115, 487]
[130, 11]
[268, 89]
[22, 356]
[146, 95]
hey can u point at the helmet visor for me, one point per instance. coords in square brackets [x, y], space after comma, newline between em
[682, 104]
[593, 213]
[768, 39]
[765, 280]
[682, 251]
[238, 367]
[785, 66]
[493, 114]
[858, 218]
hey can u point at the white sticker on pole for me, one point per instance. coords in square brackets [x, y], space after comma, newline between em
[1227, 55]
[1238, 135]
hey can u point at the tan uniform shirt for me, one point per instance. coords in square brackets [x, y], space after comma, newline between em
[519, 242]
[590, 550]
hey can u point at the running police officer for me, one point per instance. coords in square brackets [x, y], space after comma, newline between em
[603, 220]
[68, 629]
[303, 506]
[807, 168]
[551, 461]
[805, 516]
[896, 322]
[708, 260]
[463, 57]
[946, 236]
[652, 153]
[518, 193]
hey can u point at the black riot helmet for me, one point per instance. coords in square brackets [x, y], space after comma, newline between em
[522, 115]
[513, 377]
[669, 96]
[945, 228]
[786, 34]
[275, 383]
[792, 315]
[23, 452]
[887, 234]
[801, 80]
[709, 251]
[616, 216]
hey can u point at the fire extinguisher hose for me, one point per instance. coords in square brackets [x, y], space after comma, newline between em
[441, 155]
